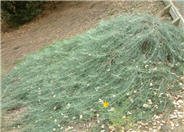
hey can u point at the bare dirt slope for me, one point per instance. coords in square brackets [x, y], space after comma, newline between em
[66, 20]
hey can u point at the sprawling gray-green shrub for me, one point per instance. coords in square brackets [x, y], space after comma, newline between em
[131, 62]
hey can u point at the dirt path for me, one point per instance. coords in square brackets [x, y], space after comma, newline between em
[67, 20]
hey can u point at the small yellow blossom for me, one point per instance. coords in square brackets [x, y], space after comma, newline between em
[105, 104]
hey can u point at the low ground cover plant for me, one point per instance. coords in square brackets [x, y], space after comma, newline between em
[117, 73]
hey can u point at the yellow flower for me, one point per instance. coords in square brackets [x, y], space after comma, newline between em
[105, 104]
